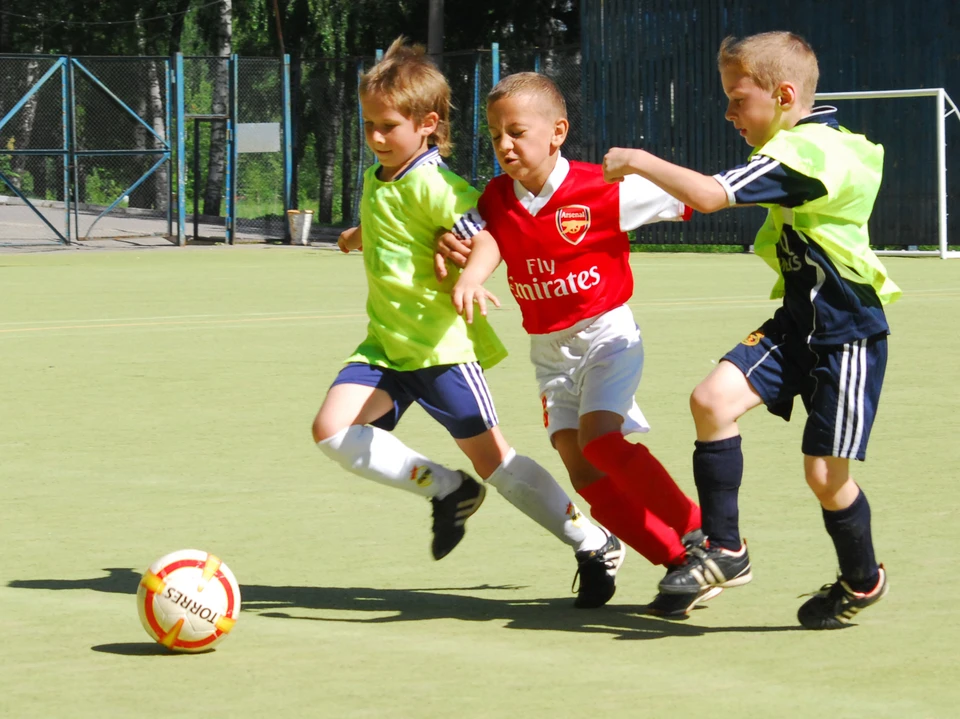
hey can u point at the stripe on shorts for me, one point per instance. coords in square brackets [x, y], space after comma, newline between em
[473, 375]
[848, 430]
[762, 359]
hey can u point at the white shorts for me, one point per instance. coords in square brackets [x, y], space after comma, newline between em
[594, 365]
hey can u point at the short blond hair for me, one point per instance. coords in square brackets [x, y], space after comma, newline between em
[771, 58]
[407, 79]
[532, 84]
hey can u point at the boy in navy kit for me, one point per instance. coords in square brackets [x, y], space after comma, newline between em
[827, 343]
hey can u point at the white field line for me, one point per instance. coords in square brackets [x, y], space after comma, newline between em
[225, 320]
[161, 317]
[186, 324]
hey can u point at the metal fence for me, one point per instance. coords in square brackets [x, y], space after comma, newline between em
[329, 152]
[93, 142]
[650, 80]
[122, 146]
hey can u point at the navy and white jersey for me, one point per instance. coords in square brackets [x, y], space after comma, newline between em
[827, 308]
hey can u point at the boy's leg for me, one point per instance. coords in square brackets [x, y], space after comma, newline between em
[588, 379]
[842, 409]
[532, 490]
[846, 516]
[717, 403]
[363, 396]
[614, 508]
[638, 474]
[342, 430]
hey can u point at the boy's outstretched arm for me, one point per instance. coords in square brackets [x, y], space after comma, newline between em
[701, 192]
[482, 261]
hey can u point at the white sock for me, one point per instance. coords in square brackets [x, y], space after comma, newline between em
[372, 453]
[531, 489]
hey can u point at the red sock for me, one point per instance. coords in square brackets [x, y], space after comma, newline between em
[641, 476]
[632, 523]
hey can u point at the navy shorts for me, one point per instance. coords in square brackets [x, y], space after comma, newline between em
[455, 395]
[839, 385]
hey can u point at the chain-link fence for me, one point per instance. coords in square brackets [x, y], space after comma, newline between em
[33, 147]
[113, 124]
[330, 155]
[87, 134]
[121, 125]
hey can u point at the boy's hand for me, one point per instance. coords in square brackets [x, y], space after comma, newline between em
[466, 293]
[350, 240]
[450, 247]
[618, 162]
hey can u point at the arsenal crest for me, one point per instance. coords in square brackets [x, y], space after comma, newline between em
[573, 221]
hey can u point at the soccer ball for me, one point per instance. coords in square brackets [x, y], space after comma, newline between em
[188, 600]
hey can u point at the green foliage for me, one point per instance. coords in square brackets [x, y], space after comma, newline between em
[101, 187]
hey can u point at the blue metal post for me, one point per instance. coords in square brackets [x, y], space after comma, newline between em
[288, 201]
[476, 119]
[65, 106]
[233, 64]
[358, 187]
[181, 154]
[73, 144]
[536, 61]
[169, 144]
[495, 68]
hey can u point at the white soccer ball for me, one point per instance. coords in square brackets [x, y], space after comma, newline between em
[188, 600]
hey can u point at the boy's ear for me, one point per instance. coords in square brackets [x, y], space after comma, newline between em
[429, 123]
[786, 95]
[560, 129]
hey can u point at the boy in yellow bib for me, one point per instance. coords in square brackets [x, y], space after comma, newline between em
[418, 349]
[827, 343]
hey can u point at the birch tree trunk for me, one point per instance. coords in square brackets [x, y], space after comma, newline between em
[161, 178]
[28, 117]
[216, 166]
[328, 120]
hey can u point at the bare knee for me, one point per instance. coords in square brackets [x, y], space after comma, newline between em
[720, 400]
[324, 427]
[830, 481]
[706, 405]
[594, 425]
[583, 476]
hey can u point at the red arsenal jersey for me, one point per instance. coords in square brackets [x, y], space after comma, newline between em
[568, 262]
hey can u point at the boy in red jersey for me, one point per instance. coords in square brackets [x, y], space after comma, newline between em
[561, 230]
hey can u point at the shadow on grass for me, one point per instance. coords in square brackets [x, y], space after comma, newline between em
[408, 605]
[142, 649]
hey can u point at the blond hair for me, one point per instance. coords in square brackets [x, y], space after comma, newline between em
[531, 84]
[407, 79]
[771, 58]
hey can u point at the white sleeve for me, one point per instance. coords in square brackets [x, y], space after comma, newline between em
[469, 224]
[642, 202]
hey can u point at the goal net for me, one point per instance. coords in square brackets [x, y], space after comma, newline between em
[912, 215]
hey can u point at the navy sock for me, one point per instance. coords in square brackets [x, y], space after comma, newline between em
[717, 471]
[850, 531]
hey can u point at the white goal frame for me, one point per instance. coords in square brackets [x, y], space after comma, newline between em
[942, 100]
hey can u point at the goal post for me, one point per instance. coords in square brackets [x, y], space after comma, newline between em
[942, 100]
